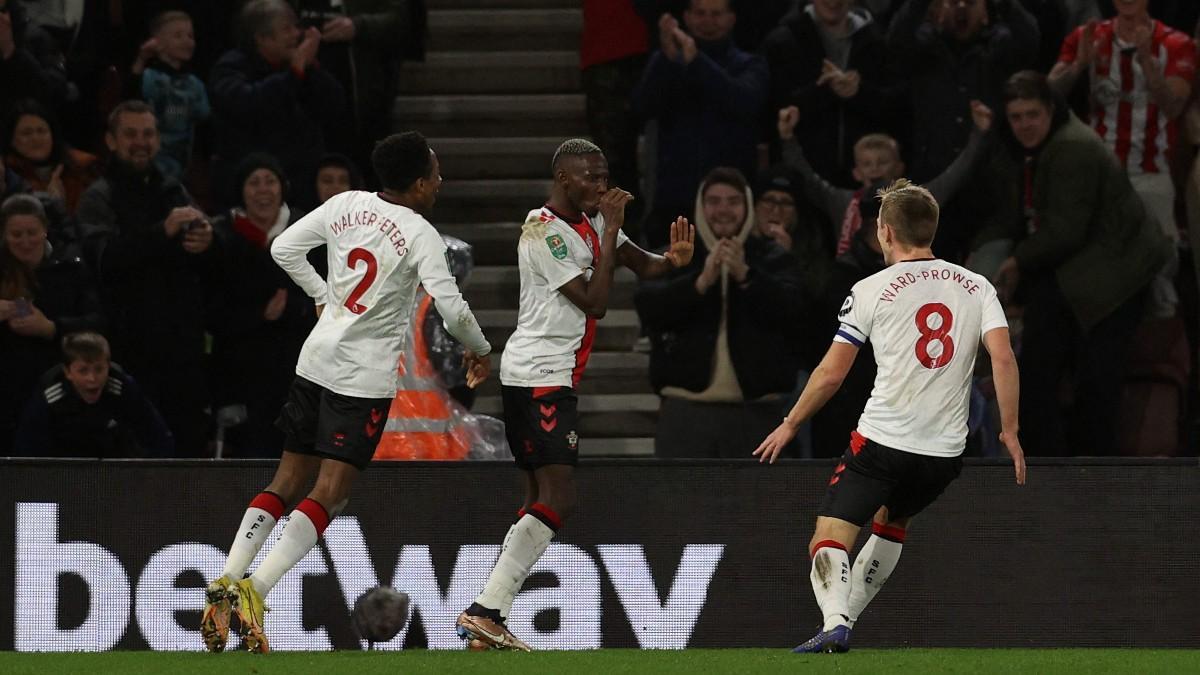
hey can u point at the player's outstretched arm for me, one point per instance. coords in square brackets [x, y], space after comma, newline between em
[435, 276]
[822, 385]
[1008, 383]
[651, 266]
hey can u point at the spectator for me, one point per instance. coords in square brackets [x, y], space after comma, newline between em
[42, 297]
[1139, 74]
[39, 154]
[877, 163]
[698, 86]
[1085, 252]
[829, 59]
[176, 96]
[778, 204]
[336, 173]
[157, 265]
[955, 52]
[265, 315]
[269, 94]
[362, 45]
[611, 57]
[832, 425]
[722, 331]
[89, 407]
[31, 65]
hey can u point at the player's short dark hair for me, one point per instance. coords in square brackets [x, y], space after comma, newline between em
[163, 18]
[724, 175]
[911, 211]
[257, 18]
[1029, 85]
[401, 159]
[85, 346]
[131, 107]
[573, 147]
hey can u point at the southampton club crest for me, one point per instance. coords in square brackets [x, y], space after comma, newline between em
[558, 247]
[846, 306]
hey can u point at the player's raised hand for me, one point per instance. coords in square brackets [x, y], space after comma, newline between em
[789, 117]
[478, 368]
[683, 243]
[768, 451]
[1013, 445]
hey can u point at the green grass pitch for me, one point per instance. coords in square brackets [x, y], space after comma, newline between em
[614, 661]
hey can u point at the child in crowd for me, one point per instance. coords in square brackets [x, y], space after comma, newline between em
[89, 407]
[877, 163]
[177, 96]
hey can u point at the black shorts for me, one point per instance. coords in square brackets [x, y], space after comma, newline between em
[326, 424]
[871, 475]
[540, 424]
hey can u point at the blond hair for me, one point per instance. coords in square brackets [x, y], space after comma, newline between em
[911, 211]
[878, 142]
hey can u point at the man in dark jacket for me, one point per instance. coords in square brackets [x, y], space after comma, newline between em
[708, 98]
[269, 94]
[362, 44]
[829, 60]
[723, 331]
[89, 407]
[154, 254]
[1085, 252]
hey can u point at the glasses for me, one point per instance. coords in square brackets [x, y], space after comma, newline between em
[778, 202]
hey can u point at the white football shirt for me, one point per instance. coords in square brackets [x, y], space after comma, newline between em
[925, 319]
[378, 253]
[553, 339]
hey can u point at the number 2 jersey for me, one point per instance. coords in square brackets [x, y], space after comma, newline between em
[378, 253]
[553, 339]
[925, 319]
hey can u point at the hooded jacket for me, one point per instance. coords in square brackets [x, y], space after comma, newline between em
[734, 343]
[1087, 226]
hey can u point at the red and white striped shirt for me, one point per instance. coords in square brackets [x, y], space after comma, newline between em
[1123, 112]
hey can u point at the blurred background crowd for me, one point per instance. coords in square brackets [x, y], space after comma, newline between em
[152, 150]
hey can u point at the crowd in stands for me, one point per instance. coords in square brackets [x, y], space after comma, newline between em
[1052, 132]
[150, 155]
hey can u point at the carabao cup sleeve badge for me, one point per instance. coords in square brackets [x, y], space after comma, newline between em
[558, 247]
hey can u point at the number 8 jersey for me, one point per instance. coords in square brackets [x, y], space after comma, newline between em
[378, 253]
[925, 319]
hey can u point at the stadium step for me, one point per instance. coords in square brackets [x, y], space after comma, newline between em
[526, 72]
[467, 201]
[616, 447]
[497, 29]
[475, 158]
[492, 116]
[610, 372]
[617, 331]
[499, 287]
[508, 4]
[491, 243]
[600, 415]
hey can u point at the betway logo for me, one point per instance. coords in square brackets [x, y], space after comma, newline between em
[41, 558]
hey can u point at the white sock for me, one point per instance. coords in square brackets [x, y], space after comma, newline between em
[872, 568]
[251, 535]
[504, 610]
[298, 538]
[830, 578]
[526, 542]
